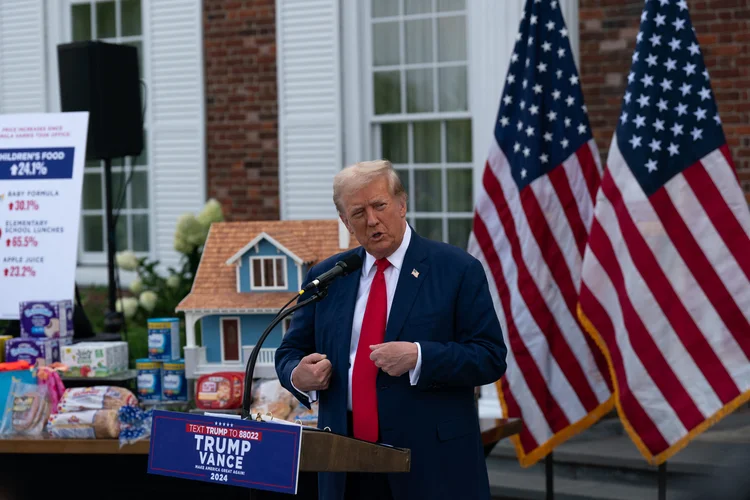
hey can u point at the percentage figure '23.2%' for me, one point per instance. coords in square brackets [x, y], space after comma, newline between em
[23, 205]
[19, 271]
[21, 241]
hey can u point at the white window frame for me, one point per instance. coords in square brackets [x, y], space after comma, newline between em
[239, 338]
[264, 287]
[371, 135]
[65, 35]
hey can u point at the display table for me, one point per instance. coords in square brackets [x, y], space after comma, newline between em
[106, 466]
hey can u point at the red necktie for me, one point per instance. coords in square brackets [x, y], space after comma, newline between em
[365, 373]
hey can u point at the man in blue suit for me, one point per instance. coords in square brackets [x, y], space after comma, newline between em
[393, 354]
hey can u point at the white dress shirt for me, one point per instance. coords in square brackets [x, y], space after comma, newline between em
[391, 281]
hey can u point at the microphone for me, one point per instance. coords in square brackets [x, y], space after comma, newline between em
[342, 268]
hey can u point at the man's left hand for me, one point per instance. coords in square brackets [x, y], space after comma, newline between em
[394, 358]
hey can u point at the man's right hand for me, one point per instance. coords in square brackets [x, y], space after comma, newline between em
[313, 373]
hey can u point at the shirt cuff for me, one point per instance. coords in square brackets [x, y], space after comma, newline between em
[312, 395]
[414, 372]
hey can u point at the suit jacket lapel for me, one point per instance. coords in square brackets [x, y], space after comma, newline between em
[409, 283]
[346, 297]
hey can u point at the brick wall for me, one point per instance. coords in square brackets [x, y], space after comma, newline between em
[608, 29]
[241, 107]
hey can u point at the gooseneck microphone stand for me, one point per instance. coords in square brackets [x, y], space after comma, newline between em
[247, 397]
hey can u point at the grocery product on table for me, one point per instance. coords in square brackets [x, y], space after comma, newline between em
[173, 384]
[26, 409]
[101, 397]
[149, 379]
[89, 424]
[220, 391]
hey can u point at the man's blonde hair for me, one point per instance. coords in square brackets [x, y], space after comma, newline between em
[361, 174]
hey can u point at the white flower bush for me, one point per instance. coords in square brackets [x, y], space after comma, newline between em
[158, 295]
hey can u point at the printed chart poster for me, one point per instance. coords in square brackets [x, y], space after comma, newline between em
[246, 453]
[41, 176]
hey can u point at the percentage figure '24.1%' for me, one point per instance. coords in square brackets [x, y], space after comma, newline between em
[23, 205]
[19, 271]
[21, 241]
[28, 168]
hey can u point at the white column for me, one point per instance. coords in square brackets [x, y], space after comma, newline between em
[190, 319]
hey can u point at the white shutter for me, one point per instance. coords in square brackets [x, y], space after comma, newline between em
[309, 93]
[177, 144]
[22, 59]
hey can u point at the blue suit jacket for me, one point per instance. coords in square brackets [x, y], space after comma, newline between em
[449, 311]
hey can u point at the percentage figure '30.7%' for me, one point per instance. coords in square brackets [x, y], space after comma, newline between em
[21, 241]
[19, 271]
[23, 205]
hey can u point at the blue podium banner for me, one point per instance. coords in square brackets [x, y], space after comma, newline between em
[246, 453]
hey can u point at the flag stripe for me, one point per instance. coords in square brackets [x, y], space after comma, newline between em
[643, 343]
[525, 436]
[635, 414]
[589, 167]
[700, 268]
[529, 291]
[559, 180]
[725, 222]
[689, 343]
[552, 255]
[526, 364]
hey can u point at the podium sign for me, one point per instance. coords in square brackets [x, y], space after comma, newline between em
[246, 453]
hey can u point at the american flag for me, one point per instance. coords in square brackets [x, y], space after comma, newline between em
[531, 222]
[666, 273]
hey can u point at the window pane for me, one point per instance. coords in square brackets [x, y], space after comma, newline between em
[280, 281]
[418, 41]
[458, 232]
[452, 38]
[419, 92]
[394, 139]
[140, 233]
[105, 20]
[92, 191]
[458, 141]
[81, 17]
[387, 92]
[417, 6]
[459, 190]
[403, 175]
[257, 273]
[93, 233]
[121, 233]
[385, 44]
[427, 142]
[268, 275]
[384, 8]
[449, 5]
[119, 192]
[139, 190]
[130, 16]
[429, 228]
[428, 191]
[452, 83]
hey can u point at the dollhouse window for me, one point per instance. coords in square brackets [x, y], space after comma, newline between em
[268, 273]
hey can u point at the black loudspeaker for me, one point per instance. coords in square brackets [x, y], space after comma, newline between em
[103, 79]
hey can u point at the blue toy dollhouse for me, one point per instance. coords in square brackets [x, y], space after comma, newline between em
[248, 271]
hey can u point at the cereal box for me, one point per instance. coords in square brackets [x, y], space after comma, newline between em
[30, 350]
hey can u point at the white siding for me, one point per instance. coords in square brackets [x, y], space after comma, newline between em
[310, 107]
[22, 57]
[177, 134]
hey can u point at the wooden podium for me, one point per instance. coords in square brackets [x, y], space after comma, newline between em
[323, 451]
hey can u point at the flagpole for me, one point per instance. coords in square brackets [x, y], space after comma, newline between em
[548, 468]
[663, 481]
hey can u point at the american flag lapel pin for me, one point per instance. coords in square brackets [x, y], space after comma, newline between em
[415, 273]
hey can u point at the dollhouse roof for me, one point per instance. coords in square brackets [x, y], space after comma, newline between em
[215, 284]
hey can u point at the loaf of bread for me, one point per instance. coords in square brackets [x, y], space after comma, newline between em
[89, 424]
[100, 397]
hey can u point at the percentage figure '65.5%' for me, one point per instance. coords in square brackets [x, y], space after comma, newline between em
[19, 271]
[23, 205]
[21, 241]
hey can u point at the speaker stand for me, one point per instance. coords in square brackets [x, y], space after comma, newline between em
[113, 321]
